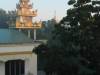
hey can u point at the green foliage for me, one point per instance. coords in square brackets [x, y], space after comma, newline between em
[41, 51]
[95, 2]
[73, 48]
[46, 30]
[71, 2]
[7, 19]
[12, 18]
[3, 19]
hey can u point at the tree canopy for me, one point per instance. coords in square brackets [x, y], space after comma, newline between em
[73, 48]
[7, 19]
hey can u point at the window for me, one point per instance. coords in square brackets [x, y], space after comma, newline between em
[15, 67]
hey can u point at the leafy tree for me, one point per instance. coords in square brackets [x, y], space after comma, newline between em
[46, 30]
[74, 46]
[12, 18]
[3, 19]
[90, 49]
[41, 51]
[7, 19]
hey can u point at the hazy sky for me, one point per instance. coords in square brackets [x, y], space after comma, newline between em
[46, 8]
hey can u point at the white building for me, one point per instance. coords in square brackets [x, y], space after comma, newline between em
[16, 56]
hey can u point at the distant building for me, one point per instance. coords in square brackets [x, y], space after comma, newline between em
[16, 56]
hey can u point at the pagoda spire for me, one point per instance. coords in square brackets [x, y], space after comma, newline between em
[25, 15]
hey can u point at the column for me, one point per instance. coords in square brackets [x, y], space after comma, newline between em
[2, 68]
[26, 66]
[34, 34]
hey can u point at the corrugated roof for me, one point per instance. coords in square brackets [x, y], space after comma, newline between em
[12, 36]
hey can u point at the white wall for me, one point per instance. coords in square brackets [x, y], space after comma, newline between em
[31, 65]
[30, 59]
[30, 62]
[2, 68]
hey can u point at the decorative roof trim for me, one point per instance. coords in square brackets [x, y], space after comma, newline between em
[15, 53]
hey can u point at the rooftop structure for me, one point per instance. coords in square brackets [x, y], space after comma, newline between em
[25, 15]
[16, 49]
[16, 53]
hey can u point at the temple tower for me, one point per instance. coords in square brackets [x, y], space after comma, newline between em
[25, 15]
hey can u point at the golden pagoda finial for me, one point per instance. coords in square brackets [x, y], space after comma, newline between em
[25, 15]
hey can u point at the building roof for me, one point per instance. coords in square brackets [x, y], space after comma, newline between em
[13, 36]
